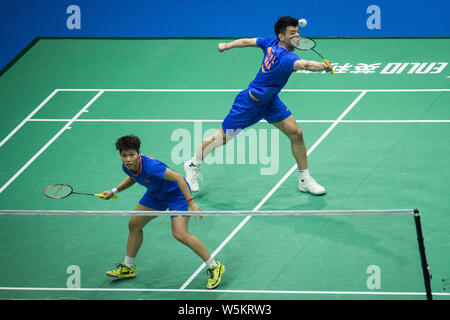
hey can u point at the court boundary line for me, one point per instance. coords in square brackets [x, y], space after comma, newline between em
[238, 90]
[56, 136]
[218, 121]
[299, 292]
[272, 191]
[55, 91]
[27, 118]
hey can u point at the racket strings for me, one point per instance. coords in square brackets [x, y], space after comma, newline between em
[58, 191]
[303, 43]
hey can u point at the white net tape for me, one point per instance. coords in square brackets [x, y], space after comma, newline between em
[208, 213]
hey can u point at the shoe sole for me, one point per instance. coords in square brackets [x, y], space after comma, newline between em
[315, 194]
[219, 280]
[120, 277]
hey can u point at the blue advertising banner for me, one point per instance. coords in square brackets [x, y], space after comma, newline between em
[22, 21]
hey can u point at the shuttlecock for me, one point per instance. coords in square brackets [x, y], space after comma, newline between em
[302, 23]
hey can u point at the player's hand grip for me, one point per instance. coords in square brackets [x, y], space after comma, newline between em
[328, 63]
[102, 196]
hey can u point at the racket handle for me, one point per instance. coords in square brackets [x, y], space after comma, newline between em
[328, 63]
[102, 196]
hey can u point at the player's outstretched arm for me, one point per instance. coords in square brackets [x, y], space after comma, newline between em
[239, 43]
[311, 65]
[125, 184]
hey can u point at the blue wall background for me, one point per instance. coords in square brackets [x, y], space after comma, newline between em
[23, 20]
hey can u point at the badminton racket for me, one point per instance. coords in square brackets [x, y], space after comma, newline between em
[304, 43]
[61, 191]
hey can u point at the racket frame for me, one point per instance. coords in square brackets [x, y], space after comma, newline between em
[72, 192]
[312, 48]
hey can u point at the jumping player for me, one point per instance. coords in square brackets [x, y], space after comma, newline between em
[260, 101]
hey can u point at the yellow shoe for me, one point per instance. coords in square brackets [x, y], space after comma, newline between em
[215, 275]
[122, 271]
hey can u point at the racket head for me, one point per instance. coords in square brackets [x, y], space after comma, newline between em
[58, 191]
[303, 43]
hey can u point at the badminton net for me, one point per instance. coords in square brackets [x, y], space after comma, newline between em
[361, 251]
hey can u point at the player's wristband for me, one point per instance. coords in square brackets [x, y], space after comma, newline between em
[115, 190]
[189, 200]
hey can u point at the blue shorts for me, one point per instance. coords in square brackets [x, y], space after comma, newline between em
[174, 201]
[246, 112]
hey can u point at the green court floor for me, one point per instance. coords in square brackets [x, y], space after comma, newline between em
[377, 133]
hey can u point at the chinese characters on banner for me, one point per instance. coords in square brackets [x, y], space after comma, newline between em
[389, 68]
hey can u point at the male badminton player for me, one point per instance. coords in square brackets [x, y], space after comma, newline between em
[260, 101]
[165, 189]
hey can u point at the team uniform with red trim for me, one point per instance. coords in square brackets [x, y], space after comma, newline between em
[277, 66]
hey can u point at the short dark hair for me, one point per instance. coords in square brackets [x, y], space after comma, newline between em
[128, 142]
[284, 22]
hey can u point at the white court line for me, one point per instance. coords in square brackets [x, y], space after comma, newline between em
[50, 142]
[269, 194]
[205, 90]
[238, 90]
[121, 290]
[395, 121]
[134, 120]
[28, 117]
[213, 121]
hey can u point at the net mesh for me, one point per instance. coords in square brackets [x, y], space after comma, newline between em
[284, 253]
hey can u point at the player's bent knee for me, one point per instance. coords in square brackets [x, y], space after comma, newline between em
[180, 235]
[134, 224]
[220, 139]
[211, 139]
[296, 135]
[215, 140]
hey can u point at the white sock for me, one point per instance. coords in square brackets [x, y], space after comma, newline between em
[304, 174]
[196, 161]
[211, 262]
[129, 261]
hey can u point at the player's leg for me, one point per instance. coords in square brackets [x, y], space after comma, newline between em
[135, 230]
[127, 269]
[192, 166]
[243, 114]
[214, 141]
[295, 134]
[180, 232]
[290, 128]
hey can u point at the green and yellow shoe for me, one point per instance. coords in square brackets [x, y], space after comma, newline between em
[215, 275]
[122, 271]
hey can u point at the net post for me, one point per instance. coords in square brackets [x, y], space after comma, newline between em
[425, 268]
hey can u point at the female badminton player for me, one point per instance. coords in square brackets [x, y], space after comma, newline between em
[260, 100]
[166, 189]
